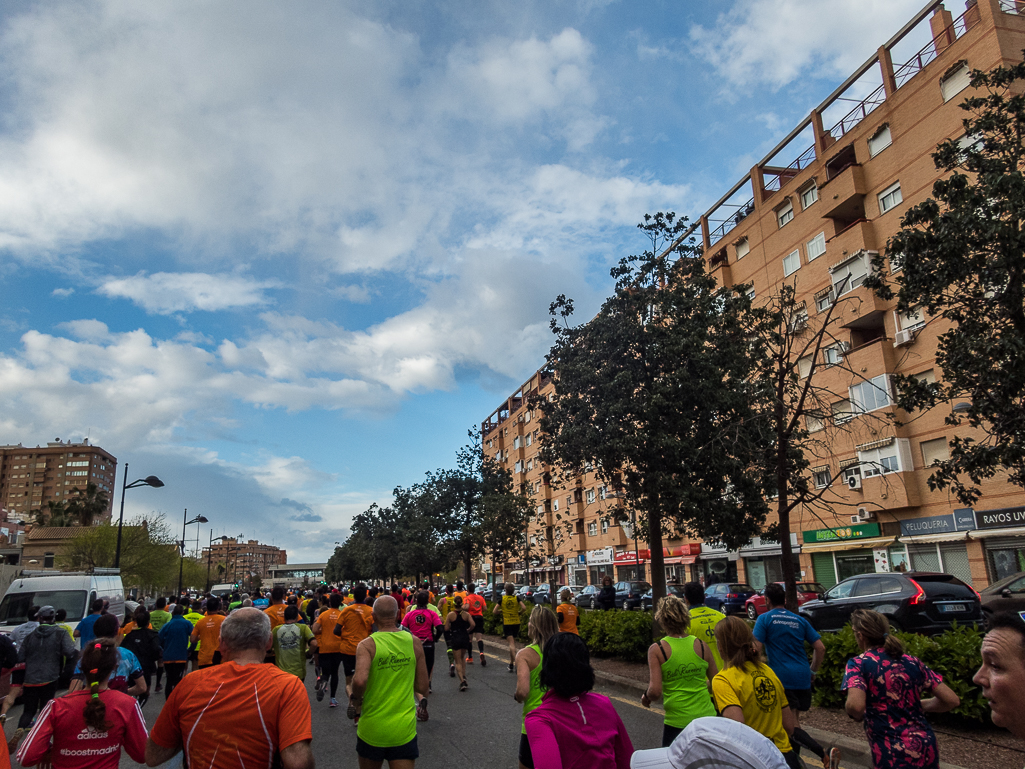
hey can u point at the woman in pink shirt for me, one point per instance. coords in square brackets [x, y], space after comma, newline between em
[425, 623]
[573, 727]
[88, 728]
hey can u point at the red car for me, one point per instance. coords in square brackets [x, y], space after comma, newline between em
[806, 591]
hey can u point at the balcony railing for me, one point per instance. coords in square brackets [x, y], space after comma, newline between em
[859, 113]
[803, 161]
[920, 60]
[742, 212]
[1015, 7]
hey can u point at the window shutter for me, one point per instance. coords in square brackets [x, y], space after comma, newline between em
[934, 451]
[956, 81]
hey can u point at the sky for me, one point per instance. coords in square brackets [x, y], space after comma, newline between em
[285, 255]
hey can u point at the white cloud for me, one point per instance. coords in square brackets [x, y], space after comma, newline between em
[62, 293]
[775, 42]
[165, 293]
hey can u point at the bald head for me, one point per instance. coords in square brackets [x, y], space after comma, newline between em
[385, 609]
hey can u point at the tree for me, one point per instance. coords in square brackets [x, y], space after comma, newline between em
[56, 515]
[149, 552]
[960, 258]
[88, 504]
[656, 391]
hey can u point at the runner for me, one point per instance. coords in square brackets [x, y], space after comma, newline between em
[460, 590]
[329, 648]
[354, 624]
[291, 641]
[541, 626]
[207, 634]
[159, 617]
[702, 619]
[445, 604]
[276, 610]
[389, 667]
[567, 613]
[84, 631]
[192, 616]
[144, 643]
[109, 720]
[510, 607]
[475, 605]
[459, 624]
[424, 622]
[127, 676]
[174, 637]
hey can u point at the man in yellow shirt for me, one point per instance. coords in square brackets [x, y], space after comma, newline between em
[702, 619]
[510, 606]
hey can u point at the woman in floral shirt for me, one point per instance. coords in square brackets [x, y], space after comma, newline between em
[884, 689]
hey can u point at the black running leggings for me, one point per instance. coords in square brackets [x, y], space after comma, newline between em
[175, 671]
[429, 656]
[329, 664]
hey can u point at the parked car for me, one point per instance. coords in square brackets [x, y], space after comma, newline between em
[646, 599]
[1007, 594]
[918, 602]
[492, 592]
[806, 591]
[628, 594]
[728, 597]
[542, 595]
[587, 598]
[526, 593]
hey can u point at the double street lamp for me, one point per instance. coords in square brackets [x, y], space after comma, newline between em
[185, 523]
[150, 480]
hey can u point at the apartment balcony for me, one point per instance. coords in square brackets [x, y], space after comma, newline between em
[862, 311]
[857, 236]
[843, 195]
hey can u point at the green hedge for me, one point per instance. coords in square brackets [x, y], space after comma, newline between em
[613, 633]
[954, 655]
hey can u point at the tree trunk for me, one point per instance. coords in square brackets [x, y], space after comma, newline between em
[658, 564]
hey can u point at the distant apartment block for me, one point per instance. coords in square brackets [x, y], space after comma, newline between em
[812, 214]
[31, 477]
[241, 560]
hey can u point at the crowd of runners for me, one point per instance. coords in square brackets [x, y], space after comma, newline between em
[232, 672]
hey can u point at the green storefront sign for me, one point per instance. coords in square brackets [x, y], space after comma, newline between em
[842, 533]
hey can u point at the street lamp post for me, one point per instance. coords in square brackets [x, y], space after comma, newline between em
[150, 480]
[181, 563]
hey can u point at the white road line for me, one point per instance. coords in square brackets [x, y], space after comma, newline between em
[637, 704]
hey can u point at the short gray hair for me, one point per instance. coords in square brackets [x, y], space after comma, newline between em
[244, 630]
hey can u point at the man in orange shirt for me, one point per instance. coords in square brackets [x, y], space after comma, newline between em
[353, 626]
[567, 613]
[475, 606]
[276, 610]
[208, 632]
[238, 715]
[329, 646]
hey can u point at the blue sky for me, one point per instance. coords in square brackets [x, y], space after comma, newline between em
[284, 255]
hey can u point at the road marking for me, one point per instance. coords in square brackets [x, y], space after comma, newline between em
[636, 703]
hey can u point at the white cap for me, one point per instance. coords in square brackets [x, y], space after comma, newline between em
[719, 742]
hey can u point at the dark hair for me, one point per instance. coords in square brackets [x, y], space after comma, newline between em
[160, 604]
[61, 615]
[178, 610]
[213, 605]
[775, 594]
[96, 605]
[422, 598]
[336, 600]
[277, 594]
[605, 579]
[184, 601]
[875, 629]
[566, 666]
[457, 603]
[292, 612]
[394, 587]
[459, 584]
[1009, 620]
[141, 618]
[694, 594]
[106, 626]
[509, 587]
[32, 613]
[360, 592]
[98, 661]
[471, 588]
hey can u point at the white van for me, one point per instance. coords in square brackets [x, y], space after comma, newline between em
[222, 590]
[72, 591]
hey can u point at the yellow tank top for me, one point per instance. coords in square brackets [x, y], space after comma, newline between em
[510, 610]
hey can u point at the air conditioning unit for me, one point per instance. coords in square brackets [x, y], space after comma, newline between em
[903, 338]
[854, 482]
[864, 514]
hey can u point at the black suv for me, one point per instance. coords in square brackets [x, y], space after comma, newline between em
[918, 602]
[628, 594]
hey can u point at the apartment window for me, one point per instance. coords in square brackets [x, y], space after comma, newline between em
[785, 214]
[743, 248]
[934, 451]
[880, 461]
[809, 195]
[872, 394]
[926, 377]
[816, 247]
[969, 143]
[842, 412]
[814, 423]
[955, 81]
[602, 492]
[851, 273]
[529, 439]
[540, 510]
[804, 366]
[592, 529]
[791, 263]
[853, 471]
[880, 141]
[555, 505]
[912, 320]
[824, 300]
[530, 464]
[833, 355]
[516, 442]
[590, 496]
[822, 478]
[890, 197]
[750, 294]
[604, 527]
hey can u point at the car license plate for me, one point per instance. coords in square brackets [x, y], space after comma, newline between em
[952, 607]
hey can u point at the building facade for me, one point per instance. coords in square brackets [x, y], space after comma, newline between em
[814, 217]
[242, 560]
[31, 477]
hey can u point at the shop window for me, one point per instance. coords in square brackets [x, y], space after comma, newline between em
[816, 247]
[809, 195]
[934, 451]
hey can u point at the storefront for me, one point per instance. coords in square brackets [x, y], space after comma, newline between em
[717, 564]
[1002, 533]
[578, 570]
[763, 561]
[677, 560]
[628, 568]
[844, 551]
[515, 572]
[937, 543]
[600, 564]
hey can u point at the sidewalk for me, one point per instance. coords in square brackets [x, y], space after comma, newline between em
[854, 752]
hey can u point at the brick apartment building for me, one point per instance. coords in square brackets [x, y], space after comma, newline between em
[242, 559]
[813, 213]
[31, 477]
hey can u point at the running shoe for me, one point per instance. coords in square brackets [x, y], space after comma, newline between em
[350, 712]
[462, 686]
[421, 710]
[319, 688]
[333, 703]
[12, 744]
[833, 760]
[3, 719]
[483, 660]
[158, 689]
[451, 671]
[355, 721]
[469, 659]
[511, 668]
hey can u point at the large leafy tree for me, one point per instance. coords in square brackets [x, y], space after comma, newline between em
[657, 391]
[149, 553]
[960, 257]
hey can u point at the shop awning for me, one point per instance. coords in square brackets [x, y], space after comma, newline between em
[983, 533]
[764, 552]
[689, 559]
[943, 536]
[848, 544]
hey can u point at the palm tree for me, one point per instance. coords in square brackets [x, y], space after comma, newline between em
[56, 515]
[87, 505]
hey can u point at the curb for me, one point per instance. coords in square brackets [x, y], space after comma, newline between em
[852, 750]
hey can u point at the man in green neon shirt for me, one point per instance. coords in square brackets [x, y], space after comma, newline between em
[390, 666]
